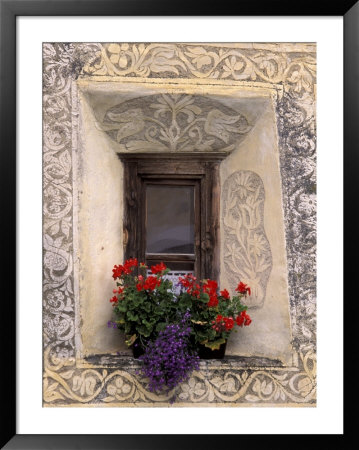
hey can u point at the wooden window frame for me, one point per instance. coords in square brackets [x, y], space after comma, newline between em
[201, 170]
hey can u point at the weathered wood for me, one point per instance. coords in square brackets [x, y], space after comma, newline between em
[160, 157]
[170, 256]
[213, 221]
[199, 170]
[131, 207]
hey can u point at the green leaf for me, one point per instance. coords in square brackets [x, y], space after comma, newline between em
[144, 331]
[146, 306]
[132, 317]
[131, 340]
[160, 326]
[121, 307]
[215, 344]
[204, 298]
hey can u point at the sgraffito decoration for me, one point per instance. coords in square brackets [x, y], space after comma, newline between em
[247, 253]
[174, 123]
[290, 69]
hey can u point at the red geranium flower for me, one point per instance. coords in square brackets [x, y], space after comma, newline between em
[113, 299]
[210, 287]
[158, 268]
[117, 271]
[228, 323]
[150, 283]
[187, 281]
[243, 319]
[118, 291]
[213, 301]
[247, 320]
[127, 267]
[240, 319]
[243, 288]
[225, 294]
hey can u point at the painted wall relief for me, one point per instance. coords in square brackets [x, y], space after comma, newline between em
[174, 123]
[247, 252]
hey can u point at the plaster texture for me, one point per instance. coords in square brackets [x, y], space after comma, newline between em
[270, 332]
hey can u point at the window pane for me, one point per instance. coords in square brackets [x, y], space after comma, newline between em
[170, 219]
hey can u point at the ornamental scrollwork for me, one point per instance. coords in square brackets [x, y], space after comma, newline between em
[297, 144]
[296, 70]
[234, 386]
[65, 381]
[174, 123]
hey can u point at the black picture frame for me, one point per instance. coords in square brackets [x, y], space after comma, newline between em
[9, 10]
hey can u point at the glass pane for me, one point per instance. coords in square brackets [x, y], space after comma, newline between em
[170, 219]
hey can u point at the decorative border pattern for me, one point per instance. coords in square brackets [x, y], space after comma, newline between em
[290, 66]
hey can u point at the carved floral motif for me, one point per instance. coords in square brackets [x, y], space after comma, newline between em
[247, 254]
[296, 70]
[174, 123]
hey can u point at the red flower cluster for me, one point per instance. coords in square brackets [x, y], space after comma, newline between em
[223, 323]
[210, 288]
[150, 284]
[189, 282]
[114, 300]
[243, 319]
[228, 323]
[218, 324]
[243, 288]
[118, 291]
[126, 268]
[225, 294]
[158, 268]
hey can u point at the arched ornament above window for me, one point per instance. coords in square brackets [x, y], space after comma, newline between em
[178, 123]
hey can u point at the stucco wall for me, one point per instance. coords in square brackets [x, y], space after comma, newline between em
[269, 334]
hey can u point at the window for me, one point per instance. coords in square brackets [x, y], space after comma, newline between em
[171, 211]
[172, 222]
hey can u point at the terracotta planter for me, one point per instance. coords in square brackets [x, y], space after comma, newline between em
[207, 353]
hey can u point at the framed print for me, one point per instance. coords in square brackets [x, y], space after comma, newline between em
[173, 172]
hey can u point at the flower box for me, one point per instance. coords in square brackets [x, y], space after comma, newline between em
[207, 353]
[169, 332]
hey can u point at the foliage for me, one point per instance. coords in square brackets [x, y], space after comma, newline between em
[143, 305]
[171, 328]
[168, 360]
[214, 315]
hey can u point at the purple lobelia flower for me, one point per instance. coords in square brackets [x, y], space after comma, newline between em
[168, 360]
